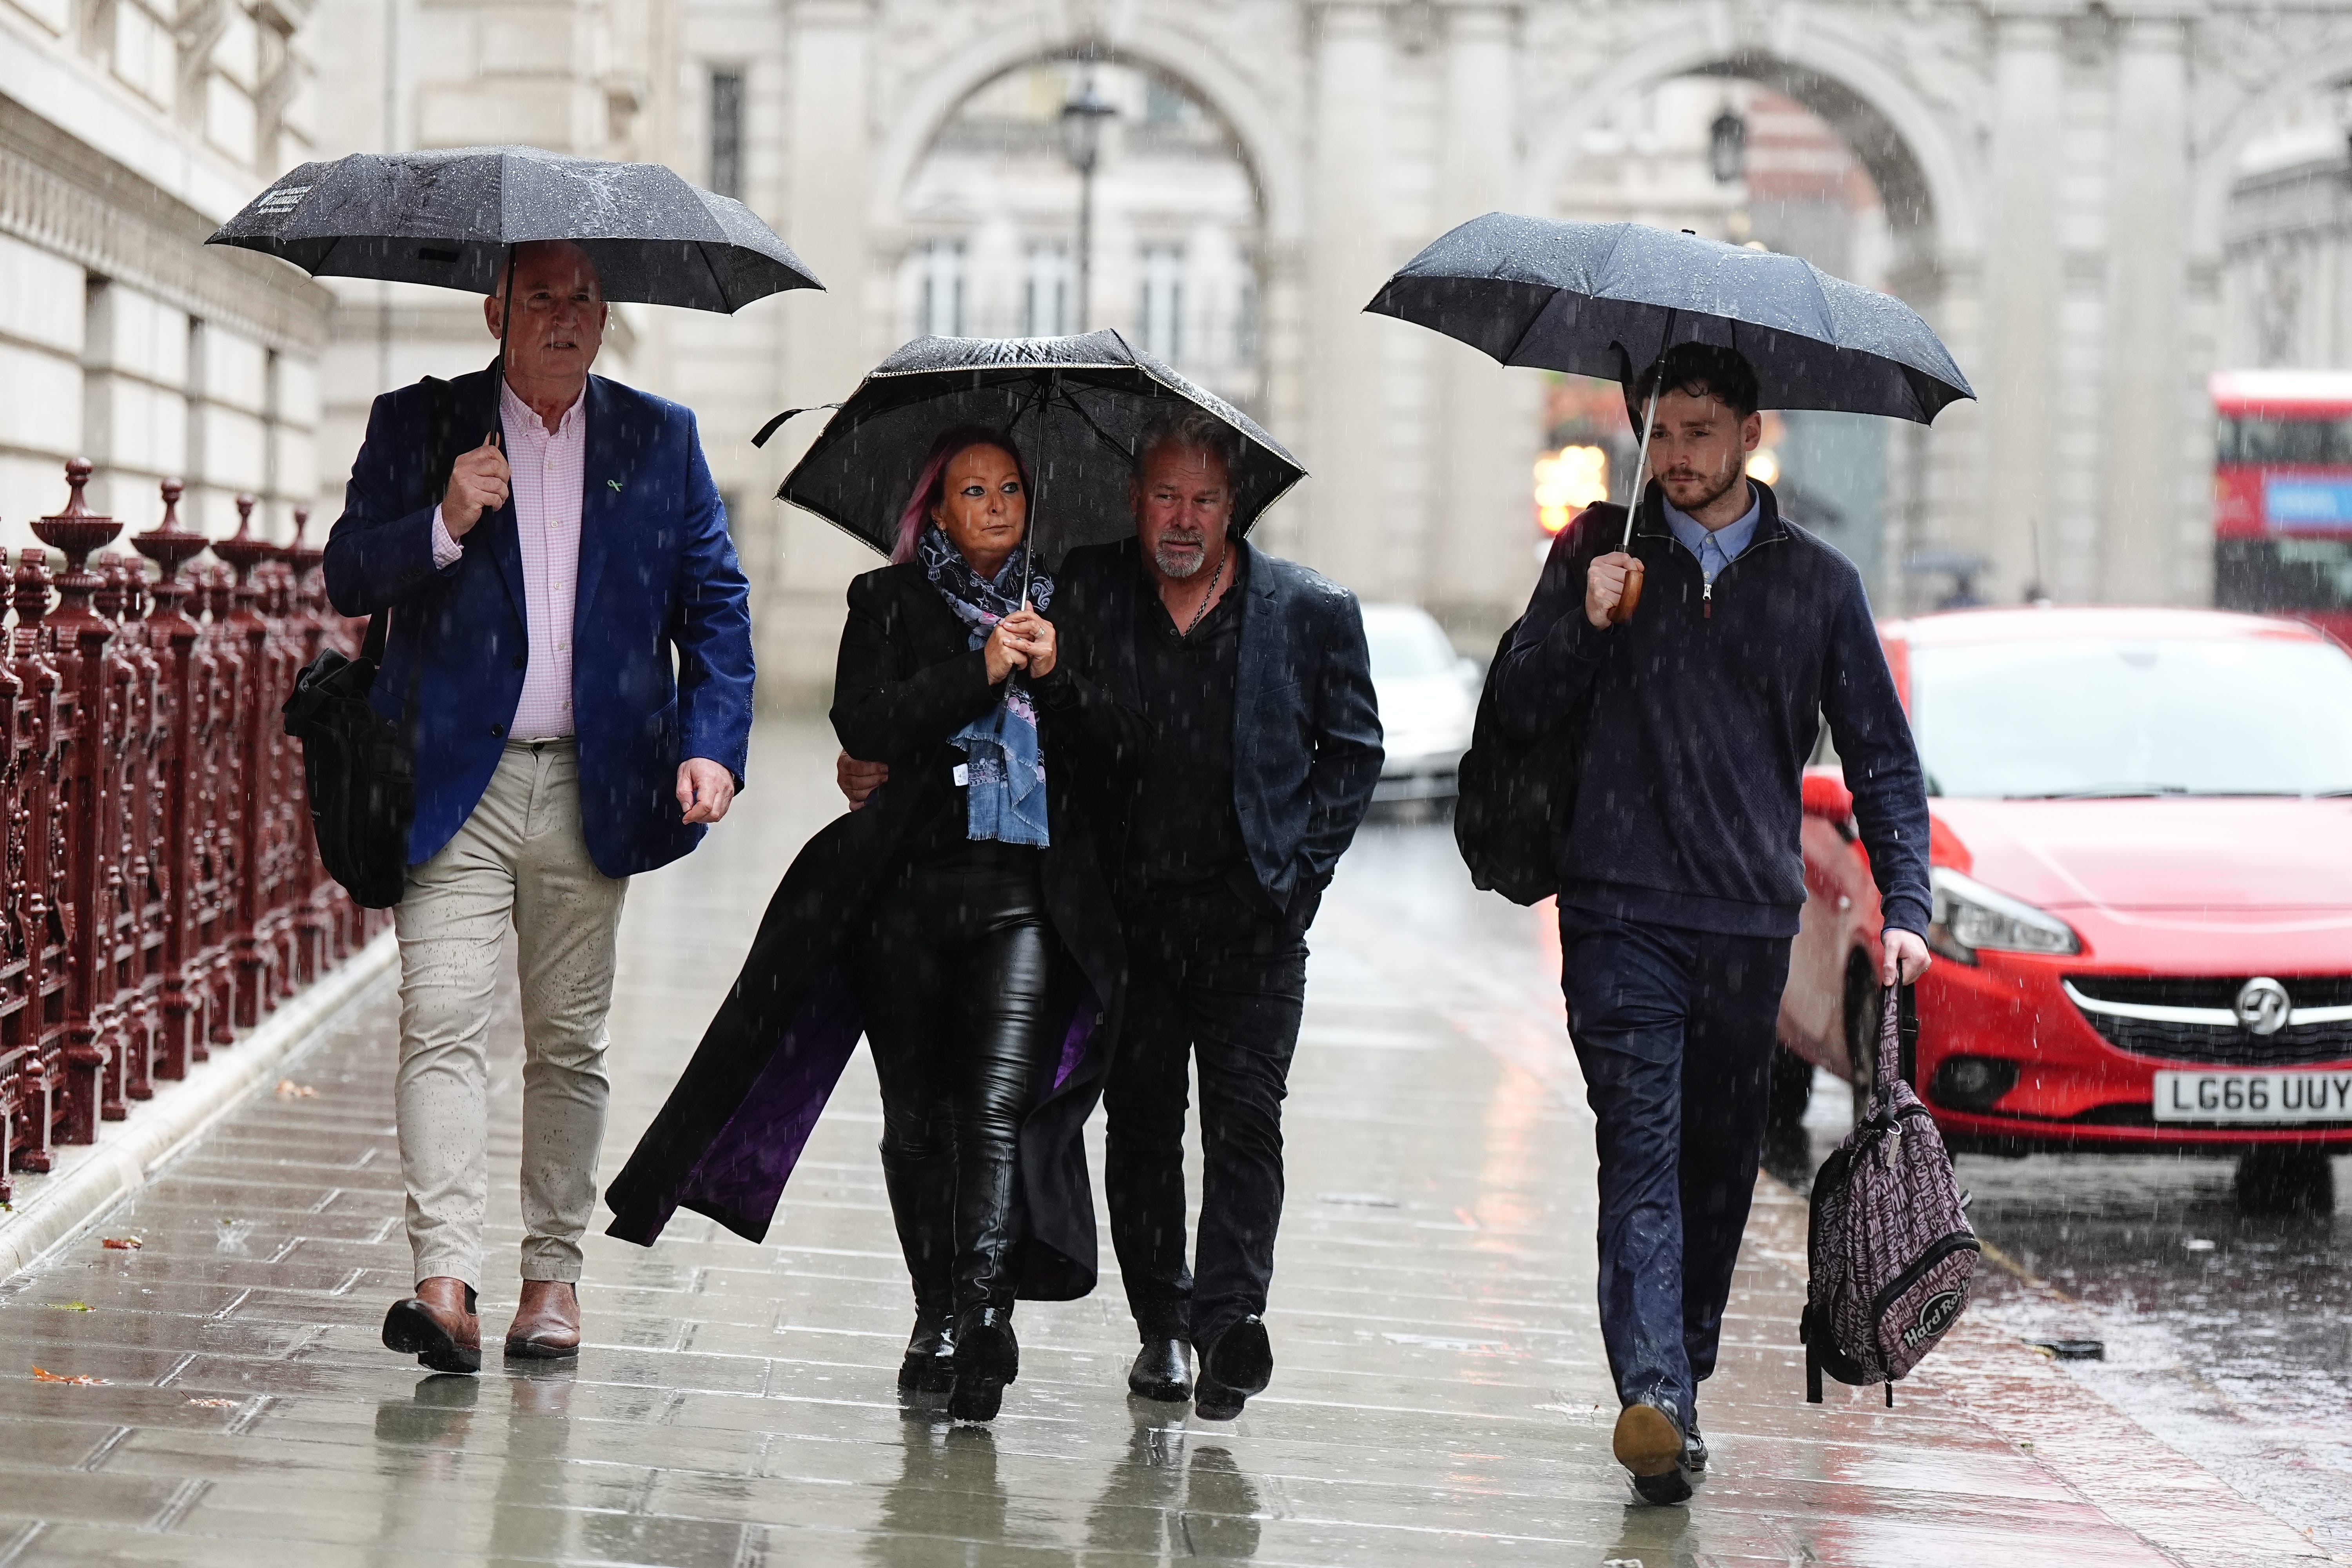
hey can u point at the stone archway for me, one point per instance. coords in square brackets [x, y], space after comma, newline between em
[941, 84]
[1910, 150]
[1926, 182]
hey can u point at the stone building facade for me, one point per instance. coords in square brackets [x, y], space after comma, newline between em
[2055, 178]
[128, 131]
[2056, 184]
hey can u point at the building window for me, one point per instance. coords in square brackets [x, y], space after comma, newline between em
[939, 303]
[726, 133]
[1161, 314]
[1048, 288]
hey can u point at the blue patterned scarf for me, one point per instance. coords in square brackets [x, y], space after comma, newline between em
[1005, 768]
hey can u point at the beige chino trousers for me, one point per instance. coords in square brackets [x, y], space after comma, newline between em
[520, 860]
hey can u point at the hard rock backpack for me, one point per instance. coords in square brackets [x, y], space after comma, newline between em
[1890, 1252]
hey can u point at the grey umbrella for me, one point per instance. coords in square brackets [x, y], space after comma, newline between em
[450, 219]
[1608, 299]
[1075, 406]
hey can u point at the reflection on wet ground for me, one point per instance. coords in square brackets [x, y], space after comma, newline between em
[1440, 1394]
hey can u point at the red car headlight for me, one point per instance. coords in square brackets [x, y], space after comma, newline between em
[1969, 916]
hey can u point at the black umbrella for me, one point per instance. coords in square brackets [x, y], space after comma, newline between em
[1608, 299]
[1076, 406]
[451, 218]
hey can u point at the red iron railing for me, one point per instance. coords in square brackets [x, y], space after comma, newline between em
[159, 888]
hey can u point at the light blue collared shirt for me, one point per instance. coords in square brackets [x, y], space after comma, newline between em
[1716, 548]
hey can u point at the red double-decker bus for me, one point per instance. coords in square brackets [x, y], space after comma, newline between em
[2282, 495]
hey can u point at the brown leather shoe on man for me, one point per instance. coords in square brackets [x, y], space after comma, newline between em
[547, 1323]
[438, 1325]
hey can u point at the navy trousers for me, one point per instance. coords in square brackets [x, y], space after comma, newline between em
[1673, 1029]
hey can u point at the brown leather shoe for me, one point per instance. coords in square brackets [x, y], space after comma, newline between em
[547, 1322]
[438, 1325]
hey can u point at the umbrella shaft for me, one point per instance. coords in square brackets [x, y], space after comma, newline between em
[1641, 465]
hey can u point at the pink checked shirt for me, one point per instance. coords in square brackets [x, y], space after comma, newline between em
[549, 469]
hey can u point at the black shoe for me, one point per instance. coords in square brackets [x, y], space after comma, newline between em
[1238, 1366]
[929, 1365]
[987, 1357]
[1695, 1451]
[1650, 1444]
[1161, 1371]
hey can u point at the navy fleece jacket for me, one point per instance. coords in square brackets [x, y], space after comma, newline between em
[1704, 707]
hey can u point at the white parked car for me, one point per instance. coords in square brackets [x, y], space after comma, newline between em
[1428, 696]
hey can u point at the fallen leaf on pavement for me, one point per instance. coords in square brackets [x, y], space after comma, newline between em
[122, 1243]
[41, 1374]
[69, 1307]
[288, 1090]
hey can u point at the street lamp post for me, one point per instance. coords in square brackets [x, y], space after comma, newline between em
[1082, 123]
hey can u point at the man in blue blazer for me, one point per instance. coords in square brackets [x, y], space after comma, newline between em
[547, 543]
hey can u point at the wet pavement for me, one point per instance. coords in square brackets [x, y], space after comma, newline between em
[1440, 1392]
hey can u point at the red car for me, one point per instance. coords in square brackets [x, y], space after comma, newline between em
[2142, 857]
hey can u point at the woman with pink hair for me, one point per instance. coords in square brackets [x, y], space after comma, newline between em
[959, 918]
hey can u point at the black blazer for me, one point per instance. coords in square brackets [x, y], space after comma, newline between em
[1306, 728]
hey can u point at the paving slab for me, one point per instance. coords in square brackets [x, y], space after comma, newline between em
[1441, 1393]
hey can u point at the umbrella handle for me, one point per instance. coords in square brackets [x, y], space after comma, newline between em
[1631, 599]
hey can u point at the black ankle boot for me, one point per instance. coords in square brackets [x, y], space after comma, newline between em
[987, 1357]
[922, 1203]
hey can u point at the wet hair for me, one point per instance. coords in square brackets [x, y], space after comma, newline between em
[932, 482]
[1194, 429]
[1698, 370]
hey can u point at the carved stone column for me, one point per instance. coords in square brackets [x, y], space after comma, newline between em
[2025, 275]
[2155, 524]
[1347, 256]
[1481, 555]
[797, 562]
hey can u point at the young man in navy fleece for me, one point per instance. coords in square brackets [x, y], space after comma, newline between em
[1681, 876]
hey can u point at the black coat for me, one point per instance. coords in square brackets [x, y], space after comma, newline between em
[1704, 708]
[727, 1140]
[1306, 727]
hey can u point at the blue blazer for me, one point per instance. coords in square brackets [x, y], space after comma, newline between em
[657, 573]
[1306, 727]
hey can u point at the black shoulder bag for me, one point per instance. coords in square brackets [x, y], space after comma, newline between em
[359, 768]
[1516, 798]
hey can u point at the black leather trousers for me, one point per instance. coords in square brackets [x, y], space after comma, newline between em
[952, 977]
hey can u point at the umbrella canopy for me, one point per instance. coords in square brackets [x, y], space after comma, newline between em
[448, 218]
[1607, 298]
[1075, 406]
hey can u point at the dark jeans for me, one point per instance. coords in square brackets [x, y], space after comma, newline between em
[1212, 978]
[952, 979]
[1673, 1029]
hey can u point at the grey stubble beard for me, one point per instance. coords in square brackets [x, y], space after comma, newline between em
[1169, 562]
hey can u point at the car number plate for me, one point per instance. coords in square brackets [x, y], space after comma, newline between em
[2249, 1096]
